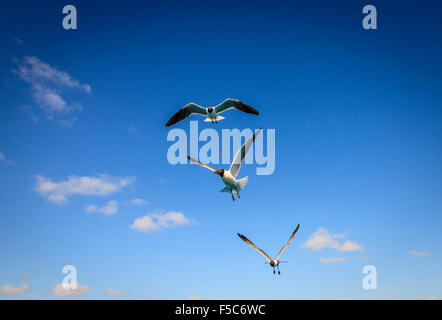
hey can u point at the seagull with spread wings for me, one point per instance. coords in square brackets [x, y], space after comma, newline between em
[274, 263]
[211, 113]
[229, 176]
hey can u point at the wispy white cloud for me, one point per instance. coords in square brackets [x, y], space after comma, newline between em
[115, 293]
[156, 222]
[158, 287]
[332, 259]
[67, 122]
[132, 129]
[60, 291]
[432, 298]
[135, 131]
[138, 202]
[18, 41]
[111, 207]
[10, 290]
[26, 276]
[418, 253]
[4, 160]
[195, 298]
[323, 239]
[33, 70]
[101, 185]
[47, 84]
[91, 208]
[350, 246]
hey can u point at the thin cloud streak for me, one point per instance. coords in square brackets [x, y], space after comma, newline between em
[322, 238]
[111, 207]
[10, 290]
[332, 259]
[47, 84]
[418, 253]
[60, 291]
[59, 192]
[157, 222]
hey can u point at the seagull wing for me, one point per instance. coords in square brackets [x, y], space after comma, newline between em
[241, 154]
[250, 243]
[186, 111]
[288, 242]
[233, 103]
[201, 164]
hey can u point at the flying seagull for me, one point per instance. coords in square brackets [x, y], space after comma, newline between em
[211, 113]
[274, 263]
[229, 176]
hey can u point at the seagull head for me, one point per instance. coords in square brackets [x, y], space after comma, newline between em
[272, 263]
[220, 172]
[210, 109]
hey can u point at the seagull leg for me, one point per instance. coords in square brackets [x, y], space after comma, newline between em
[238, 194]
[273, 270]
[233, 198]
[279, 272]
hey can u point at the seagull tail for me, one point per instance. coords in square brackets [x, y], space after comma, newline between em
[243, 182]
[226, 189]
[218, 118]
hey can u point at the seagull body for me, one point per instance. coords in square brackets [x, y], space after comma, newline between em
[211, 113]
[228, 177]
[274, 263]
[231, 182]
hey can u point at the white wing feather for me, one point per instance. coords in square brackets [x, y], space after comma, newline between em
[241, 154]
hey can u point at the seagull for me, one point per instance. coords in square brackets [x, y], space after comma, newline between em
[274, 263]
[211, 113]
[229, 176]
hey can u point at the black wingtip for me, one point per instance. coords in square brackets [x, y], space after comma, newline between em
[248, 108]
[255, 134]
[188, 157]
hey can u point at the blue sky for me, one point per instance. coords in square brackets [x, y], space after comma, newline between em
[357, 116]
